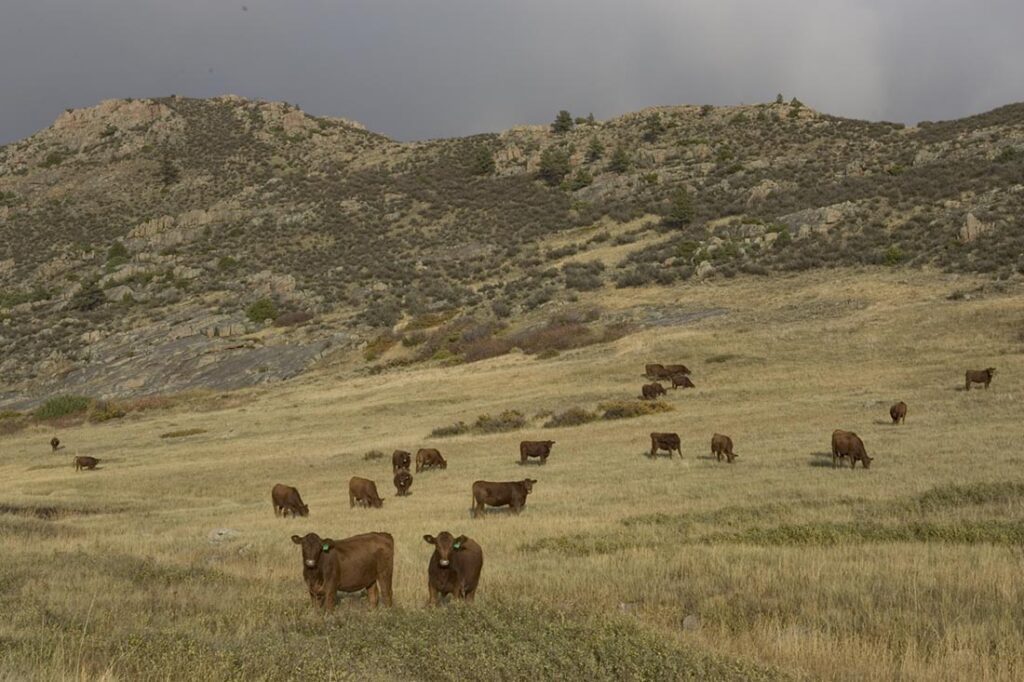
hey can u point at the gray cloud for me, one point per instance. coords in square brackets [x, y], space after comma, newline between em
[430, 68]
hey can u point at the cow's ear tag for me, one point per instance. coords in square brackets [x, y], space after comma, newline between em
[327, 547]
[457, 545]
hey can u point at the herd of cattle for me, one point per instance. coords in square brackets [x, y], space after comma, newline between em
[366, 561]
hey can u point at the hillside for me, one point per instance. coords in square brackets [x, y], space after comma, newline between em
[136, 236]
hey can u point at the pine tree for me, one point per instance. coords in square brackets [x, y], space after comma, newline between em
[563, 122]
[483, 161]
[169, 174]
[620, 162]
[554, 165]
[595, 150]
[681, 211]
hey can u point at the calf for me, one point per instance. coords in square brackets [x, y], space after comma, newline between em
[362, 562]
[535, 448]
[400, 459]
[363, 491]
[510, 494]
[651, 391]
[722, 445]
[83, 462]
[898, 412]
[55, 444]
[403, 481]
[454, 567]
[978, 376]
[849, 444]
[666, 441]
[286, 500]
[429, 458]
[681, 380]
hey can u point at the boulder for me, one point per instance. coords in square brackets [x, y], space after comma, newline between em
[973, 228]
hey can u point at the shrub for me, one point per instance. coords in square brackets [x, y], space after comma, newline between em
[509, 420]
[595, 150]
[482, 162]
[627, 409]
[456, 429]
[182, 433]
[379, 346]
[620, 162]
[894, 255]
[554, 165]
[105, 411]
[574, 416]
[372, 455]
[62, 406]
[261, 310]
[681, 210]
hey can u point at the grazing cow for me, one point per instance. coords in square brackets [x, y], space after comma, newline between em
[676, 369]
[454, 567]
[363, 491]
[666, 441]
[681, 380]
[361, 562]
[286, 500]
[898, 412]
[55, 443]
[978, 376]
[400, 459]
[651, 391]
[403, 481]
[535, 448]
[722, 445]
[511, 494]
[83, 462]
[655, 371]
[429, 458]
[849, 444]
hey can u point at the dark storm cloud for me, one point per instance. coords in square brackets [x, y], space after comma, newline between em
[429, 68]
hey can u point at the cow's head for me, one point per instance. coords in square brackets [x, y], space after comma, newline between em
[313, 547]
[445, 544]
[867, 461]
[990, 371]
[549, 443]
[302, 510]
[376, 502]
[527, 484]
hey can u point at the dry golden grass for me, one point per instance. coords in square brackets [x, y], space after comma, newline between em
[910, 570]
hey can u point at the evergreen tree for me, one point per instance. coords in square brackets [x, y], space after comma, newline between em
[681, 210]
[554, 165]
[595, 150]
[619, 162]
[653, 128]
[483, 161]
[169, 174]
[563, 122]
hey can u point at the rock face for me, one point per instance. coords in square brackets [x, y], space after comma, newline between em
[973, 228]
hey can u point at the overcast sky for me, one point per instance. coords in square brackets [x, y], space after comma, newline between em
[415, 69]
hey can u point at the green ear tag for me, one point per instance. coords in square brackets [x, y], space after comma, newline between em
[327, 547]
[457, 545]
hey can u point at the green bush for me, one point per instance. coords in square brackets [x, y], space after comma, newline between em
[509, 420]
[574, 416]
[554, 165]
[893, 255]
[263, 309]
[62, 406]
[627, 409]
[456, 429]
[563, 122]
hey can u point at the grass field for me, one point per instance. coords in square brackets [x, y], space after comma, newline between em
[620, 567]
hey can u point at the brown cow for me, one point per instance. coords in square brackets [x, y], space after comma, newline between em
[535, 448]
[651, 391]
[898, 412]
[849, 444]
[361, 562]
[666, 441]
[403, 481]
[83, 462]
[681, 380]
[722, 445]
[454, 567]
[429, 458]
[286, 499]
[55, 443]
[363, 491]
[511, 494]
[676, 369]
[655, 371]
[400, 459]
[978, 376]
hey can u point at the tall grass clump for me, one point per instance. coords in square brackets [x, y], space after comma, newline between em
[62, 406]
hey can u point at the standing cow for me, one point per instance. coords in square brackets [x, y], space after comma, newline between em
[978, 376]
[286, 500]
[655, 371]
[364, 492]
[898, 412]
[403, 481]
[400, 459]
[651, 391]
[55, 444]
[681, 380]
[722, 446]
[666, 441]
[676, 369]
[454, 567]
[429, 458]
[849, 444]
[535, 448]
[505, 494]
[362, 562]
[83, 462]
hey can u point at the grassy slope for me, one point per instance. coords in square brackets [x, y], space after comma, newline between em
[789, 564]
